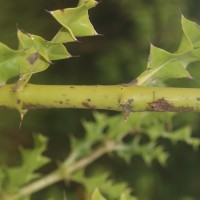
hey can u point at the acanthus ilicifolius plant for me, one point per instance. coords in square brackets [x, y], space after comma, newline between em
[35, 54]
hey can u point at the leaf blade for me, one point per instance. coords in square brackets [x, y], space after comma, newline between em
[164, 65]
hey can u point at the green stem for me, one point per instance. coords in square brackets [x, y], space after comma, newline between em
[63, 172]
[117, 97]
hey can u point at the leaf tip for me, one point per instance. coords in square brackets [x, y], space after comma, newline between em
[48, 11]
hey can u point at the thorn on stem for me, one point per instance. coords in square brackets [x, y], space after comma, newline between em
[22, 114]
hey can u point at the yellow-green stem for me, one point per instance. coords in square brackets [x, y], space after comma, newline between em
[115, 97]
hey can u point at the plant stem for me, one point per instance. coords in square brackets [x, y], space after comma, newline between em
[46, 181]
[63, 172]
[117, 97]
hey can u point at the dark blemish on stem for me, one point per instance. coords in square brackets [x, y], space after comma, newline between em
[72, 87]
[32, 58]
[87, 105]
[198, 98]
[89, 99]
[35, 106]
[127, 108]
[162, 105]
[4, 107]
[58, 102]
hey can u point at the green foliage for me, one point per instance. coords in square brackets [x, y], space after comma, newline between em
[12, 179]
[139, 136]
[35, 53]
[96, 195]
[164, 65]
[75, 22]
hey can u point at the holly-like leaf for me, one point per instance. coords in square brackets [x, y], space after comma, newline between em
[191, 31]
[47, 49]
[20, 62]
[96, 195]
[75, 21]
[15, 177]
[40, 52]
[35, 53]
[12, 63]
[64, 36]
[164, 65]
[183, 134]
[109, 188]
[149, 151]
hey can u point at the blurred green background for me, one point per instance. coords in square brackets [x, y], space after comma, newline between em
[118, 55]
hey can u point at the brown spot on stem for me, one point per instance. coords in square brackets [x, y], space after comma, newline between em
[87, 105]
[33, 57]
[163, 105]
[4, 107]
[198, 98]
[18, 101]
[35, 106]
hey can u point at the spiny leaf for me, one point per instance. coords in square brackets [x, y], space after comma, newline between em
[20, 62]
[127, 196]
[149, 151]
[32, 159]
[40, 52]
[96, 195]
[47, 49]
[12, 63]
[192, 31]
[35, 53]
[183, 134]
[88, 3]
[75, 21]
[108, 187]
[164, 65]
[63, 36]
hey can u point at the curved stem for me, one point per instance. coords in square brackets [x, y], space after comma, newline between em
[62, 173]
